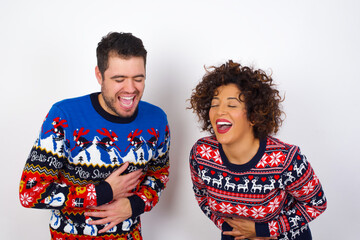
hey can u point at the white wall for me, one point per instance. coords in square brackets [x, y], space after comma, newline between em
[47, 53]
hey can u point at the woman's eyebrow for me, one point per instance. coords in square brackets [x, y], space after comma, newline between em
[233, 98]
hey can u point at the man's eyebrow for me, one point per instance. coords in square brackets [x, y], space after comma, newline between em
[139, 75]
[118, 76]
[123, 76]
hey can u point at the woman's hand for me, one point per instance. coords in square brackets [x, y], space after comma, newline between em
[243, 229]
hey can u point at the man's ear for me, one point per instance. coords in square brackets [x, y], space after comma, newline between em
[98, 75]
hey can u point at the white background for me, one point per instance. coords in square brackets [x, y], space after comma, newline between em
[47, 53]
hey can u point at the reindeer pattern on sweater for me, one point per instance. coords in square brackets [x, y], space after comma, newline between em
[277, 189]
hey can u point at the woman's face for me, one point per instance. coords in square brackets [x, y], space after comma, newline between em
[228, 116]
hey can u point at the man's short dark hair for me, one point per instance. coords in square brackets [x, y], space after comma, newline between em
[125, 45]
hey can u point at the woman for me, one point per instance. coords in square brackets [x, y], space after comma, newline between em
[250, 184]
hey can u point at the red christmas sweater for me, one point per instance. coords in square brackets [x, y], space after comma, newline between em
[277, 189]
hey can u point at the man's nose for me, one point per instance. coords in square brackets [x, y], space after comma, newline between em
[129, 85]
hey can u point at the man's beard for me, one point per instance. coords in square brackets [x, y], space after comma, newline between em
[110, 103]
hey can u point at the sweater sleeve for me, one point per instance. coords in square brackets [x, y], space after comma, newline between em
[308, 203]
[200, 192]
[41, 185]
[149, 191]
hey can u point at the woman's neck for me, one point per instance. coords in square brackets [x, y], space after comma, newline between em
[242, 152]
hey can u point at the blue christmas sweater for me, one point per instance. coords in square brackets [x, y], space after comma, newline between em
[78, 147]
[277, 188]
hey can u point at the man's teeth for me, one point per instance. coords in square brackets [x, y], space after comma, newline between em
[127, 98]
[127, 101]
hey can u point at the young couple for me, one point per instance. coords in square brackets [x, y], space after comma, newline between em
[101, 160]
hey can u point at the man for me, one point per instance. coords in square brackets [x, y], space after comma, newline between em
[101, 160]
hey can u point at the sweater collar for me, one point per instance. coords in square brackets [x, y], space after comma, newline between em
[247, 166]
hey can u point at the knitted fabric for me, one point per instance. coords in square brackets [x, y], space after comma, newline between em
[277, 188]
[78, 147]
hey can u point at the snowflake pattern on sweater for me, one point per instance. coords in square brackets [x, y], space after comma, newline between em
[78, 147]
[277, 189]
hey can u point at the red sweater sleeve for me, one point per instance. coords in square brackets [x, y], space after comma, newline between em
[302, 183]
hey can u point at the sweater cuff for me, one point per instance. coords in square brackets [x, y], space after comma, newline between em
[262, 230]
[137, 205]
[226, 227]
[104, 193]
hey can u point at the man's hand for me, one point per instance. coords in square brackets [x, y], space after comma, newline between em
[122, 185]
[112, 213]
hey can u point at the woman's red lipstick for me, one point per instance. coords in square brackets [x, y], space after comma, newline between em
[223, 125]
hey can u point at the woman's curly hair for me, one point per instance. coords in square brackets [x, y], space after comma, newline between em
[261, 99]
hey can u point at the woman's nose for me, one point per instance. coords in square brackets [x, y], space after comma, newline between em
[221, 110]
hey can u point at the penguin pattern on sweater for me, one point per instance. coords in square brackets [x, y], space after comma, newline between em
[277, 188]
[78, 147]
